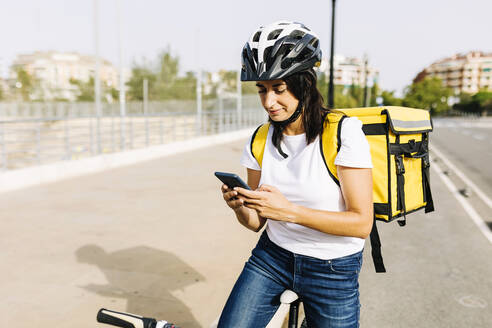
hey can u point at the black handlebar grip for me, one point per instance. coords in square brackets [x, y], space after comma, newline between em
[124, 320]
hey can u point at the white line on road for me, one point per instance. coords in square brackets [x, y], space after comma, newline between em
[476, 218]
[462, 176]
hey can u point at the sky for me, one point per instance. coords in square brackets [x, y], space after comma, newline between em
[399, 37]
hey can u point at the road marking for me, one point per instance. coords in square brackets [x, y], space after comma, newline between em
[478, 137]
[472, 301]
[462, 176]
[476, 218]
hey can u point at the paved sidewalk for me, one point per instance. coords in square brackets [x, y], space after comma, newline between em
[156, 239]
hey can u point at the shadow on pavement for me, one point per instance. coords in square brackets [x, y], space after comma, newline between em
[489, 224]
[146, 278]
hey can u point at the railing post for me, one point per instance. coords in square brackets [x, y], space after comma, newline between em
[221, 114]
[38, 143]
[112, 130]
[131, 132]
[199, 102]
[2, 143]
[68, 153]
[161, 129]
[146, 110]
[174, 127]
[91, 137]
[239, 101]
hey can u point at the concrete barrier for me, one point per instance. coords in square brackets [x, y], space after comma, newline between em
[21, 178]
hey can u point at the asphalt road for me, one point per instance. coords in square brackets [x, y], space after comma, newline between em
[468, 144]
[156, 239]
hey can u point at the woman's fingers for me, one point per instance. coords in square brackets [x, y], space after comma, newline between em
[228, 195]
[231, 197]
[248, 193]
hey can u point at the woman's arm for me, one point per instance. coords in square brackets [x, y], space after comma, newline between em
[355, 221]
[246, 216]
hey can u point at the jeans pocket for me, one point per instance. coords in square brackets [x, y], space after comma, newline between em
[347, 265]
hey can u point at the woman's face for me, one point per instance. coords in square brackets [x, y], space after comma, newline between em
[279, 102]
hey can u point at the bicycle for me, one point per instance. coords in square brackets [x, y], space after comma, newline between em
[129, 320]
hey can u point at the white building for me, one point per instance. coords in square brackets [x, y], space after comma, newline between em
[464, 73]
[348, 71]
[53, 71]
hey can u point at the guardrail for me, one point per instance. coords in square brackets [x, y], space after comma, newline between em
[36, 141]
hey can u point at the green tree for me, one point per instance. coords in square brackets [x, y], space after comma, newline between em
[184, 87]
[248, 88]
[374, 93]
[389, 98]
[481, 102]
[86, 89]
[168, 67]
[25, 83]
[483, 98]
[135, 84]
[428, 94]
[163, 80]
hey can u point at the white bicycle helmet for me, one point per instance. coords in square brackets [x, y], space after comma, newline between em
[279, 50]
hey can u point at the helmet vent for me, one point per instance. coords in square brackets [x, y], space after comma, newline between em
[256, 38]
[255, 54]
[267, 58]
[314, 43]
[296, 34]
[274, 34]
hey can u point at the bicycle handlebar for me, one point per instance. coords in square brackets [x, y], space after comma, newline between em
[128, 320]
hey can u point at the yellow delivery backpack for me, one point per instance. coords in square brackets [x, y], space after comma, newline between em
[399, 142]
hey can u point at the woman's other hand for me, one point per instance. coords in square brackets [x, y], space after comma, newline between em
[268, 201]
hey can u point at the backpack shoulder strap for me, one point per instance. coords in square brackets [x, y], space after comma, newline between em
[330, 141]
[258, 142]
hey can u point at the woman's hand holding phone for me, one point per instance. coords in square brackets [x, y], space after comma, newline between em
[268, 202]
[230, 196]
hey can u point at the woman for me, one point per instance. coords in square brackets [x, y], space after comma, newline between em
[315, 228]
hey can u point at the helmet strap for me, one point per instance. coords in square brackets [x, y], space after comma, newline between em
[280, 126]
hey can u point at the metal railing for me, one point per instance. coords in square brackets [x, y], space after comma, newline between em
[34, 141]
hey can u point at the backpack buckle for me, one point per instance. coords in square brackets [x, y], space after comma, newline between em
[400, 168]
[425, 161]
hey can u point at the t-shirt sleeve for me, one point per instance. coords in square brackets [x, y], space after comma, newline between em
[247, 159]
[355, 151]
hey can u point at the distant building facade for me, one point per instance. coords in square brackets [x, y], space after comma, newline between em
[53, 71]
[348, 71]
[464, 73]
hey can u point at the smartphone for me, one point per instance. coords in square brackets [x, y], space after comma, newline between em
[231, 180]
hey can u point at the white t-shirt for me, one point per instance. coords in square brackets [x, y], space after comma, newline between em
[304, 180]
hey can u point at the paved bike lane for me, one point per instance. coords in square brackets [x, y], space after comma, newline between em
[439, 270]
[156, 239]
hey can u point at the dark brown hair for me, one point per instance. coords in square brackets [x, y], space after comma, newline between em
[303, 87]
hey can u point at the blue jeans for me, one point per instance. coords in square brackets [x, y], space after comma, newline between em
[329, 289]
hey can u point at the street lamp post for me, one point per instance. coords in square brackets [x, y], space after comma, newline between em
[97, 81]
[331, 102]
[122, 97]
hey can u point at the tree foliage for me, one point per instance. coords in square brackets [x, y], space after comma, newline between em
[480, 102]
[85, 89]
[389, 98]
[344, 96]
[428, 94]
[24, 84]
[163, 80]
[135, 84]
